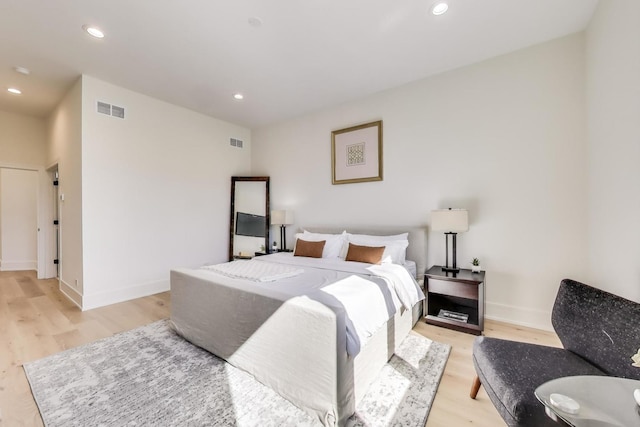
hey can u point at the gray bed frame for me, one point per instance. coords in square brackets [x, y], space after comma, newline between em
[307, 365]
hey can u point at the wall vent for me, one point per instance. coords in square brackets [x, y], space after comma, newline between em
[110, 110]
[235, 142]
[104, 108]
[117, 111]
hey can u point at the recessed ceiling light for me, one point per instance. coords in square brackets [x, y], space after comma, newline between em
[15, 91]
[439, 8]
[22, 70]
[93, 31]
[238, 96]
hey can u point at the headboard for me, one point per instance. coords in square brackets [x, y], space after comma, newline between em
[416, 252]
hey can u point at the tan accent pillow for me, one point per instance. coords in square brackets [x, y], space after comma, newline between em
[368, 254]
[309, 249]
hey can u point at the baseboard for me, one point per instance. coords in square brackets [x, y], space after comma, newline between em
[73, 295]
[18, 265]
[522, 316]
[90, 301]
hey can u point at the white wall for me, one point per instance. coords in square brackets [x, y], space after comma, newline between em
[22, 140]
[18, 219]
[503, 138]
[64, 148]
[613, 99]
[155, 192]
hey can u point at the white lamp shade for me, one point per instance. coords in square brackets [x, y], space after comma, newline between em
[281, 217]
[450, 220]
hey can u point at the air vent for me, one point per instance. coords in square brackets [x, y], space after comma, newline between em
[104, 108]
[235, 142]
[110, 110]
[117, 112]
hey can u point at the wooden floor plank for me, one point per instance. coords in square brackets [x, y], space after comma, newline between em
[52, 319]
[29, 286]
[18, 406]
[10, 288]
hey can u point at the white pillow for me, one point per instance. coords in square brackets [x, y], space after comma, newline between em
[395, 250]
[333, 244]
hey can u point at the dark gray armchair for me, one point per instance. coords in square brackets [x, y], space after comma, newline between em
[599, 332]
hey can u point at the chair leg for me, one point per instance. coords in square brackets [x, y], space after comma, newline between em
[475, 387]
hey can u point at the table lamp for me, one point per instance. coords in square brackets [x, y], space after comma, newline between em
[282, 218]
[451, 221]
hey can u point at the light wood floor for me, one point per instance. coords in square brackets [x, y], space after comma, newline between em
[37, 320]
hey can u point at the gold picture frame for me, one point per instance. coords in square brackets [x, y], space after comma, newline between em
[356, 154]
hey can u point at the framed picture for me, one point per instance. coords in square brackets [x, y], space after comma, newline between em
[356, 154]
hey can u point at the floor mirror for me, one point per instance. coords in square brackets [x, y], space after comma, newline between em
[250, 217]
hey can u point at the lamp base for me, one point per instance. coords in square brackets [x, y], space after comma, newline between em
[283, 238]
[451, 269]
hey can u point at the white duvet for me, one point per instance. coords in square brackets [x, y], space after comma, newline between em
[370, 295]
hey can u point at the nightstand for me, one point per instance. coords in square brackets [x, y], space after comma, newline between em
[455, 300]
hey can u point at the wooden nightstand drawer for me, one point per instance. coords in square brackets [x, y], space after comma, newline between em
[454, 289]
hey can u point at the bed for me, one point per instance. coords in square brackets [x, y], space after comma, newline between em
[299, 334]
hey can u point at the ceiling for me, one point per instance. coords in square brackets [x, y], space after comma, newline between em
[306, 55]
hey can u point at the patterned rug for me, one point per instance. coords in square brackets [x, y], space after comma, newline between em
[150, 376]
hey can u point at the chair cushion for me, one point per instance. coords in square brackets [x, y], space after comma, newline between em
[511, 371]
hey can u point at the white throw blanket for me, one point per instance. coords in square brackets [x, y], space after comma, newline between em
[365, 306]
[399, 279]
[254, 270]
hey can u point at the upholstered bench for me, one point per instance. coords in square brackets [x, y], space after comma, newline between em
[599, 332]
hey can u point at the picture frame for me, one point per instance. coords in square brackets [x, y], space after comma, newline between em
[356, 154]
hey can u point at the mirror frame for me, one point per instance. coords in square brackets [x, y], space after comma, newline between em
[232, 225]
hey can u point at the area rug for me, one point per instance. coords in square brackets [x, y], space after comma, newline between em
[150, 376]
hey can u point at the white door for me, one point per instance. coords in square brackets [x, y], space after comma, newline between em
[18, 219]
